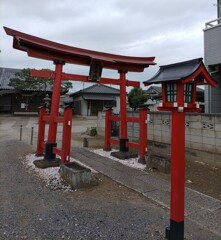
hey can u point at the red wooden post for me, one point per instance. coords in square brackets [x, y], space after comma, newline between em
[123, 112]
[176, 229]
[66, 137]
[107, 143]
[143, 134]
[41, 131]
[55, 102]
[52, 131]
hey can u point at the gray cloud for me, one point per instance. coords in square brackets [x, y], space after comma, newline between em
[170, 30]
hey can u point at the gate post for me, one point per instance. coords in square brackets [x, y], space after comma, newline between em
[52, 131]
[123, 112]
[176, 229]
[107, 144]
[66, 137]
[143, 135]
[41, 131]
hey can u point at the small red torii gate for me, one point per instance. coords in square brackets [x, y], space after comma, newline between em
[61, 54]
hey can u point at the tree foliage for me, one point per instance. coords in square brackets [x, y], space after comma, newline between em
[24, 81]
[136, 97]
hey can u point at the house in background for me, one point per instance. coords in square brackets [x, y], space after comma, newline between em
[154, 94]
[27, 101]
[93, 99]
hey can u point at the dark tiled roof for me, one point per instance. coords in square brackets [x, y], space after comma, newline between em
[5, 75]
[194, 68]
[97, 89]
[154, 90]
[176, 71]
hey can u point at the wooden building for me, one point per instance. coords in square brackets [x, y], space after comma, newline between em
[91, 100]
[27, 101]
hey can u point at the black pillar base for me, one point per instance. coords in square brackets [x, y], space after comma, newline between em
[124, 155]
[175, 231]
[124, 151]
[123, 147]
[49, 159]
[142, 161]
[48, 154]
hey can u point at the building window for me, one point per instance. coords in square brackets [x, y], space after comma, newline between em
[171, 92]
[188, 93]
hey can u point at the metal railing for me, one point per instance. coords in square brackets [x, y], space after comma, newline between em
[213, 23]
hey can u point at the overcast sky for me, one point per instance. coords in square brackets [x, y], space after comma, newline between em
[170, 30]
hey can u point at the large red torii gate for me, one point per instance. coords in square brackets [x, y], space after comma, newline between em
[61, 54]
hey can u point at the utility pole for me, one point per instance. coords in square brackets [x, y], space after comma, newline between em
[218, 8]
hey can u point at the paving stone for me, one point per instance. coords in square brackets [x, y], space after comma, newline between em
[204, 201]
[208, 219]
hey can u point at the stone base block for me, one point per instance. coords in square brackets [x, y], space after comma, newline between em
[47, 164]
[158, 162]
[107, 149]
[124, 155]
[76, 175]
[142, 161]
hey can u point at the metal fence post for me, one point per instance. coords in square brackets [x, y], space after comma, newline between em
[143, 135]
[107, 144]
[32, 130]
[20, 132]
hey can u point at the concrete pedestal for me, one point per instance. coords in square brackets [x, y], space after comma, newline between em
[76, 175]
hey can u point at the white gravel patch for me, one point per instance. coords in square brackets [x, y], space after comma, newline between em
[132, 162]
[51, 175]
[52, 178]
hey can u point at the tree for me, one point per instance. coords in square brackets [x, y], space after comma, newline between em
[65, 86]
[136, 97]
[24, 81]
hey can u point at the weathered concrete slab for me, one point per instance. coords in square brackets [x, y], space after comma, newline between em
[203, 201]
[158, 162]
[156, 182]
[76, 175]
[208, 219]
[160, 197]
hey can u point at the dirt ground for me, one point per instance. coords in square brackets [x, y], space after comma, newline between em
[200, 176]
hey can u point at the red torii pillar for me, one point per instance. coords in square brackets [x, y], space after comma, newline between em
[123, 112]
[52, 131]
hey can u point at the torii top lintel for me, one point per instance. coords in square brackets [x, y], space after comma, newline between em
[48, 50]
[187, 71]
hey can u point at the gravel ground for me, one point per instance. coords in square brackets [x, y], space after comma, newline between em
[29, 209]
